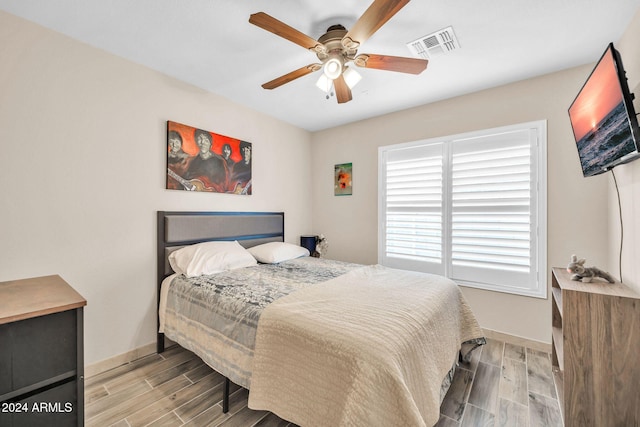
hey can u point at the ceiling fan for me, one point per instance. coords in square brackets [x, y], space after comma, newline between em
[338, 47]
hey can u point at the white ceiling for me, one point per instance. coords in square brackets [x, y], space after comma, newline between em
[211, 45]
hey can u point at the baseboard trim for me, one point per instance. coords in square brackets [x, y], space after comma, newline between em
[120, 359]
[516, 340]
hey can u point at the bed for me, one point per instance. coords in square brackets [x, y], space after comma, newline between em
[316, 341]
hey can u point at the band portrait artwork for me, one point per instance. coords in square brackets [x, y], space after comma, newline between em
[199, 160]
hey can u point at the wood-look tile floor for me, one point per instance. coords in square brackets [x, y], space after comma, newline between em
[503, 385]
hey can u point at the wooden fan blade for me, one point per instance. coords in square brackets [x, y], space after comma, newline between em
[343, 93]
[291, 76]
[391, 63]
[269, 23]
[373, 18]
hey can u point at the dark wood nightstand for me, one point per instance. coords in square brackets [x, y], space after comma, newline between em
[42, 353]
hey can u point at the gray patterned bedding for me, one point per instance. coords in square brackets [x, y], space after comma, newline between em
[216, 316]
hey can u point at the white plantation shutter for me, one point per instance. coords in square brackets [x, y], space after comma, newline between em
[469, 207]
[491, 219]
[413, 209]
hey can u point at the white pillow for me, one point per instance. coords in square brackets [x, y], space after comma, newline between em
[273, 252]
[210, 258]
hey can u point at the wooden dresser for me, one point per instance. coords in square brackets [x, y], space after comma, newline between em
[596, 351]
[41, 353]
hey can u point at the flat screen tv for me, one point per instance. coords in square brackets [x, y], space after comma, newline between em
[603, 118]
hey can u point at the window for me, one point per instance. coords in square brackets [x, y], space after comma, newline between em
[471, 207]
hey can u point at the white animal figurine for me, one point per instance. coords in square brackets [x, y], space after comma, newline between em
[321, 246]
[586, 274]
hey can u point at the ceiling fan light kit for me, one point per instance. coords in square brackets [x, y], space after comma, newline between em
[324, 83]
[351, 77]
[333, 67]
[338, 47]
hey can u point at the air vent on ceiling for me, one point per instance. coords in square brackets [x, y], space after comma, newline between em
[438, 43]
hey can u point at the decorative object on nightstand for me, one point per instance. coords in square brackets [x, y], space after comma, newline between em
[586, 274]
[41, 355]
[322, 246]
[595, 342]
[309, 242]
[317, 245]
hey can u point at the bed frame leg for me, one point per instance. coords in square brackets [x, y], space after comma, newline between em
[160, 343]
[225, 396]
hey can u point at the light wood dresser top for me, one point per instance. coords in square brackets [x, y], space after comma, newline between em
[27, 298]
[597, 286]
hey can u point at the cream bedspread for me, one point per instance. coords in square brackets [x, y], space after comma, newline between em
[369, 348]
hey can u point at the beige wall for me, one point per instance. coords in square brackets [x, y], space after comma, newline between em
[82, 174]
[628, 177]
[577, 207]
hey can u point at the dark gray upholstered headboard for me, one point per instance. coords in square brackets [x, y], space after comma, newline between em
[177, 229]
